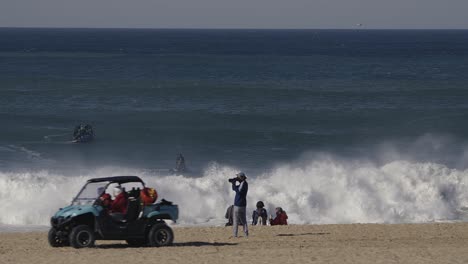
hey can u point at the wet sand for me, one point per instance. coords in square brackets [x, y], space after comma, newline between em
[356, 243]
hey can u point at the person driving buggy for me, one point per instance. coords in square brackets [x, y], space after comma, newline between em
[105, 199]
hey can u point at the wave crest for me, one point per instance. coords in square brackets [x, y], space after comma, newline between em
[321, 191]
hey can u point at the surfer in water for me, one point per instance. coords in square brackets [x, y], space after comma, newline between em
[180, 163]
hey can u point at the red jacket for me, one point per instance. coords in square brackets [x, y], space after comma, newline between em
[106, 200]
[280, 219]
[119, 205]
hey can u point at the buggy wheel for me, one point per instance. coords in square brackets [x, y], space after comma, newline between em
[160, 235]
[82, 236]
[55, 240]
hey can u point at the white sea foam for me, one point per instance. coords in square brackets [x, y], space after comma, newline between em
[325, 190]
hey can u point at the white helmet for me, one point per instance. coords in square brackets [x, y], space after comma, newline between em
[117, 190]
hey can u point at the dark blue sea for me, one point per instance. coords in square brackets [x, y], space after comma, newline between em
[352, 110]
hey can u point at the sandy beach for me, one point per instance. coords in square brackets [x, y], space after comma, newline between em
[355, 243]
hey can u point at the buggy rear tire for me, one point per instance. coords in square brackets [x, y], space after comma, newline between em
[160, 235]
[55, 240]
[82, 236]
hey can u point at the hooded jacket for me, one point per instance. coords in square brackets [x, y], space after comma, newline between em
[241, 193]
[280, 219]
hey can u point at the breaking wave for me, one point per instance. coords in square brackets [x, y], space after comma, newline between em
[321, 191]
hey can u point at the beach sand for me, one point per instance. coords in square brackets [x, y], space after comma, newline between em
[353, 243]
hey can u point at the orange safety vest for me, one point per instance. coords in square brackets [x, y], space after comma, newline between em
[148, 196]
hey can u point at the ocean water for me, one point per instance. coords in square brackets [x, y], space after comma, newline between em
[335, 126]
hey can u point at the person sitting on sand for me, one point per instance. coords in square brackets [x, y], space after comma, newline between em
[281, 217]
[259, 212]
[228, 215]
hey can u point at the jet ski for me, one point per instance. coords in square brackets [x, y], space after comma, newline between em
[83, 134]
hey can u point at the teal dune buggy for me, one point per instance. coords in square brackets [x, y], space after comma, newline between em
[86, 219]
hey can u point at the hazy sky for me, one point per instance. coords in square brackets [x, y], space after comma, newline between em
[235, 13]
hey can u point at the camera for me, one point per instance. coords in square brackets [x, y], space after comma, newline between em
[232, 180]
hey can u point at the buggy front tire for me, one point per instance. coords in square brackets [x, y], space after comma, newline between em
[160, 235]
[55, 240]
[82, 236]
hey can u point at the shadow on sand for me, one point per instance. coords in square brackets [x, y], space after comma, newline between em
[184, 244]
[306, 234]
[201, 244]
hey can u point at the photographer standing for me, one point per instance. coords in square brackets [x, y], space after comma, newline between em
[240, 202]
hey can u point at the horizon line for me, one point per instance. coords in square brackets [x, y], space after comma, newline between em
[225, 28]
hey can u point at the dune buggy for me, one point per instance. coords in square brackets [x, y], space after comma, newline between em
[87, 220]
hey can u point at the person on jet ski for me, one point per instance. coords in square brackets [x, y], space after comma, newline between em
[89, 130]
[76, 132]
[83, 133]
[104, 198]
[79, 131]
[82, 129]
